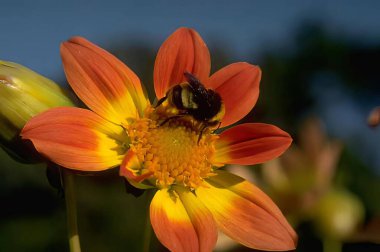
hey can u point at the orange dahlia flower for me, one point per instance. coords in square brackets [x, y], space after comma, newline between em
[194, 197]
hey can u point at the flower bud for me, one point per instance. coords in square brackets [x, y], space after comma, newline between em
[338, 215]
[24, 94]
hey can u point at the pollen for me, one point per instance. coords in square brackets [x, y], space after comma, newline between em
[171, 150]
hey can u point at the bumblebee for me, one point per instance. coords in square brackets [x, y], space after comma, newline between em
[191, 98]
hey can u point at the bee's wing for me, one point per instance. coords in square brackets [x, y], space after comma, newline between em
[199, 90]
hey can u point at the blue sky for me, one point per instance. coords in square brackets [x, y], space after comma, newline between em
[31, 31]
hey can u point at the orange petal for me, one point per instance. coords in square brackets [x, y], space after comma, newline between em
[76, 138]
[130, 167]
[102, 82]
[246, 214]
[238, 85]
[183, 51]
[251, 143]
[201, 218]
[181, 222]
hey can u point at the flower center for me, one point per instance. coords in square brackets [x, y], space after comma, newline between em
[172, 149]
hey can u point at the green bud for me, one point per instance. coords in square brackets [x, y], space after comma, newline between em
[24, 94]
[338, 215]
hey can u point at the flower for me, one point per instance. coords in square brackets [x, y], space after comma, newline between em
[302, 183]
[24, 94]
[373, 119]
[193, 196]
[298, 179]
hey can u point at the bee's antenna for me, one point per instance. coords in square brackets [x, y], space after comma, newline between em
[193, 81]
[190, 77]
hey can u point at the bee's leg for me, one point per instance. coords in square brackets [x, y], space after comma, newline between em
[172, 117]
[160, 101]
[208, 125]
[220, 123]
[204, 126]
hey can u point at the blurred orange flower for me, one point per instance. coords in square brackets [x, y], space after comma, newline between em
[194, 197]
[374, 117]
[301, 176]
[301, 182]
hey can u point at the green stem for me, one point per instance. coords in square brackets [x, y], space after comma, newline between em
[71, 211]
[148, 226]
[331, 245]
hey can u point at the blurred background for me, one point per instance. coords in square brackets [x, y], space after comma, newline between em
[320, 63]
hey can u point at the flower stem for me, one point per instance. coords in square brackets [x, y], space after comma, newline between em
[331, 245]
[71, 210]
[148, 227]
